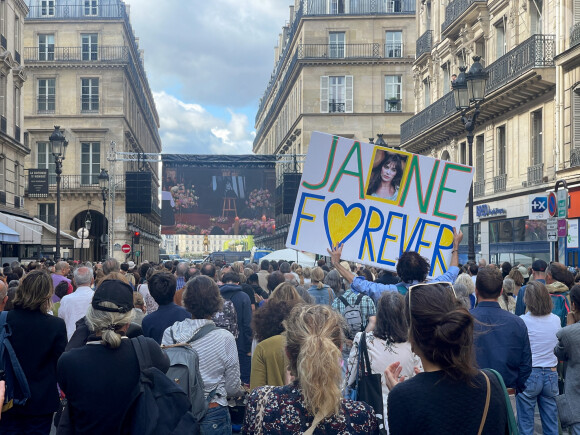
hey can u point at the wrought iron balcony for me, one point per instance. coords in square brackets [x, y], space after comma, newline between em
[424, 44]
[455, 9]
[535, 52]
[430, 116]
[90, 104]
[46, 104]
[574, 157]
[359, 7]
[336, 107]
[80, 10]
[500, 183]
[478, 189]
[76, 54]
[83, 182]
[575, 35]
[393, 105]
[535, 174]
[338, 51]
[394, 49]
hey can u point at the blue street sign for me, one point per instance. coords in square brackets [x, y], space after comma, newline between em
[539, 204]
[552, 204]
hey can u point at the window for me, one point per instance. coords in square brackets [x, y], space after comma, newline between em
[393, 101]
[535, 8]
[427, 92]
[336, 94]
[463, 153]
[3, 177]
[393, 6]
[47, 213]
[479, 158]
[480, 50]
[91, 7]
[17, 39]
[90, 95]
[337, 6]
[46, 95]
[45, 160]
[17, 92]
[47, 8]
[46, 47]
[428, 15]
[537, 157]
[501, 151]
[90, 162]
[394, 44]
[89, 46]
[16, 182]
[576, 117]
[3, 92]
[500, 39]
[446, 78]
[336, 44]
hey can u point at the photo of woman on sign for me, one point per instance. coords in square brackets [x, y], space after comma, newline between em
[386, 175]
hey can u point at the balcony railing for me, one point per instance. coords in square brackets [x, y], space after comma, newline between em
[575, 157]
[478, 188]
[336, 107]
[338, 51]
[81, 182]
[535, 52]
[535, 174]
[359, 7]
[575, 35]
[393, 105]
[90, 104]
[76, 11]
[76, 54]
[394, 50]
[46, 104]
[499, 183]
[424, 43]
[455, 9]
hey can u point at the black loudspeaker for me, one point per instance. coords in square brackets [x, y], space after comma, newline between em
[291, 185]
[139, 192]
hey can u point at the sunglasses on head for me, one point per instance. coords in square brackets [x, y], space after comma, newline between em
[443, 283]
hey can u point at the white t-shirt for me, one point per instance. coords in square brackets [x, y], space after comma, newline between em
[542, 332]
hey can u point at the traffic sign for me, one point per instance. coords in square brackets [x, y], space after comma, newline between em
[562, 228]
[552, 224]
[562, 197]
[552, 204]
[126, 248]
[137, 253]
[552, 236]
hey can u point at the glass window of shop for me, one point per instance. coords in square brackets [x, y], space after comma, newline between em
[476, 233]
[518, 240]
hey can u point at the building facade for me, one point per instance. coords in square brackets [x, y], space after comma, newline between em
[200, 246]
[341, 67]
[86, 75]
[523, 138]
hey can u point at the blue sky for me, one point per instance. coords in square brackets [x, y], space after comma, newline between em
[208, 64]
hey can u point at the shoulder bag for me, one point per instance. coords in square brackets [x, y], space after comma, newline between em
[512, 424]
[486, 407]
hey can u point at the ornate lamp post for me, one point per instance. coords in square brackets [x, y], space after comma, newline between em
[104, 184]
[468, 89]
[58, 145]
[85, 231]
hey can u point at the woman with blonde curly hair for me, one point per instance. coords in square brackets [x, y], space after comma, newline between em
[314, 337]
[285, 292]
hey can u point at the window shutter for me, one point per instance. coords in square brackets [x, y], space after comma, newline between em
[576, 120]
[576, 12]
[323, 94]
[349, 94]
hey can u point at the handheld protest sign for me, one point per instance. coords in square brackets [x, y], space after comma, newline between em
[378, 202]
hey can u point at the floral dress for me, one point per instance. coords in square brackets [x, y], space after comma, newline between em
[284, 413]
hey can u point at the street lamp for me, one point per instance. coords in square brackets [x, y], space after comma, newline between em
[104, 184]
[58, 144]
[468, 89]
[85, 231]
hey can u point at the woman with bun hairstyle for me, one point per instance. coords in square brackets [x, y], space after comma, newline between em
[314, 337]
[441, 334]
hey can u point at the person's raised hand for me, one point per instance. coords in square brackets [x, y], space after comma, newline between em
[457, 237]
[335, 254]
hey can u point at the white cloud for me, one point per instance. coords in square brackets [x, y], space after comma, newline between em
[190, 129]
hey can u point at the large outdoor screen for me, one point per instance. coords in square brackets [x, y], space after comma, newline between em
[218, 194]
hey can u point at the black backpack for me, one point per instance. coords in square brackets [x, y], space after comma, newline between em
[17, 390]
[353, 316]
[160, 405]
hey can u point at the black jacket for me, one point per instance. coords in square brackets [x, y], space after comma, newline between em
[243, 307]
[39, 340]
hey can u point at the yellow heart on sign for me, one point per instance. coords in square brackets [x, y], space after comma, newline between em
[342, 222]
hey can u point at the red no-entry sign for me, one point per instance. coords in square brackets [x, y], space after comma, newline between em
[126, 248]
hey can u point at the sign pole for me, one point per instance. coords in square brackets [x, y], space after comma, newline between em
[561, 213]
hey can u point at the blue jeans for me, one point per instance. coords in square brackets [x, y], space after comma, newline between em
[541, 387]
[216, 422]
[574, 429]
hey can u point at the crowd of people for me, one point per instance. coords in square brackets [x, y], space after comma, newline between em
[289, 342]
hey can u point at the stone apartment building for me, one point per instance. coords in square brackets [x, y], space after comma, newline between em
[86, 75]
[341, 67]
[528, 132]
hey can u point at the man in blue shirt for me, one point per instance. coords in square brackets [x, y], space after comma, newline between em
[162, 287]
[501, 338]
[411, 268]
[539, 274]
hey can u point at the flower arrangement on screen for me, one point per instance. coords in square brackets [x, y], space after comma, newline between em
[259, 199]
[186, 229]
[184, 198]
[254, 226]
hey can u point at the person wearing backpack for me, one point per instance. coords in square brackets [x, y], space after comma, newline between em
[38, 340]
[100, 379]
[216, 350]
[558, 282]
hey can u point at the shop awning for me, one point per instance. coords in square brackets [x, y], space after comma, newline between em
[29, 232]
[52, 230]
[8, 235]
